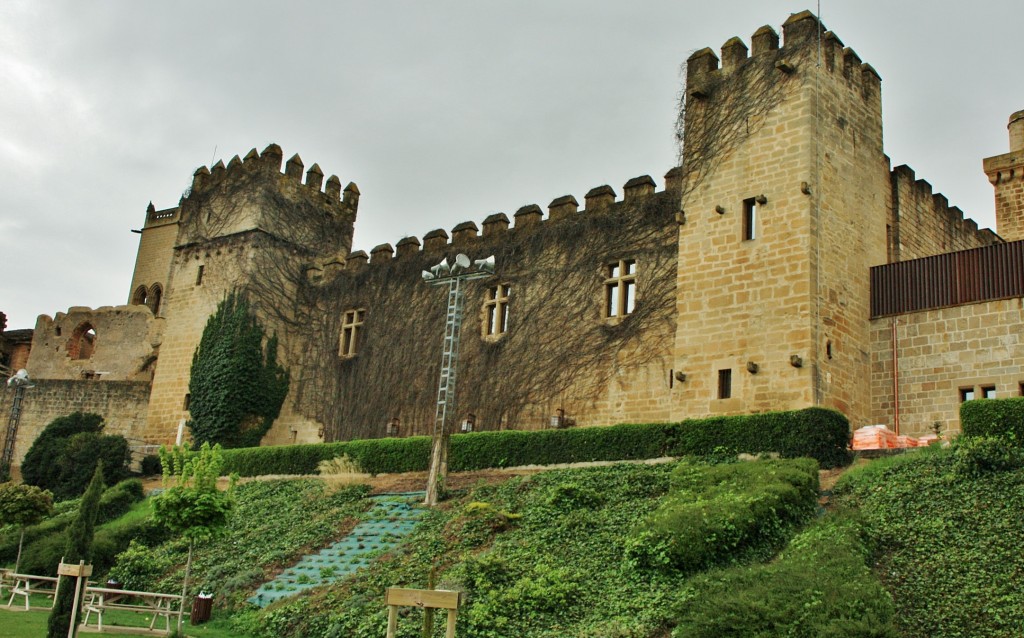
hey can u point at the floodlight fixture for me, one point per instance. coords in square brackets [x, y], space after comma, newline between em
[20, 379]
[427, 275]
[462, 262]
[485, 265]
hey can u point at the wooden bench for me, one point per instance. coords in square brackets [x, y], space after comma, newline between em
[26, 584]
[101, 599]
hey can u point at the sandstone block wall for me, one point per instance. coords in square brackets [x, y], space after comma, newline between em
[156, 247]
[941, 352]
[122, 404]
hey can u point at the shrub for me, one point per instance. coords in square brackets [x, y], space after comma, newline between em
[150, 465]
[976, 456]
[138, 567]
[993, 417]
[820, 586]
[814, 432]
[722, 513]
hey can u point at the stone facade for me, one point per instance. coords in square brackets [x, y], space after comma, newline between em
[742, 286]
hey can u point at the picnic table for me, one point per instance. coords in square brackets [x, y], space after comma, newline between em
[26, 584]
[101, 599]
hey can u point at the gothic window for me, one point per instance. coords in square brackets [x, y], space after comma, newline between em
[82, 342]
[139, 296]
[620, 288]
[153, 299]
[496, 310]
[351, 327]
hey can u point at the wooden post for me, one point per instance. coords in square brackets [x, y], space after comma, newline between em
[79, 571]
[392, 621]
[424, 599]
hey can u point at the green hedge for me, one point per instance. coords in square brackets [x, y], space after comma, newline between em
[814, 432]
[993, 417]
[723, 513]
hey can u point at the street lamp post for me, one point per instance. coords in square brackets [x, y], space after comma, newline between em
[453, 276]
[20, 383]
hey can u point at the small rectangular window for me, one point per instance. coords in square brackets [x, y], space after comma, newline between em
[620, 288]
[966, 394]
[988, 392]
[199, 275]
[749, 219]
[725, 384]
[187, 402]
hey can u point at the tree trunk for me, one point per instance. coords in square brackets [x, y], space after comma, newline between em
[184, 586]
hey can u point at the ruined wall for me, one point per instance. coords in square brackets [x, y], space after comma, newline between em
[121, 346]
[246, 226]
[122, 404]
[941, 352]
[922, 223]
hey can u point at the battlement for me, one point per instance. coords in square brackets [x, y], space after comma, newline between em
[269, 163]
[915, 197]
[795, 56]
[156, 217]
[529, 217]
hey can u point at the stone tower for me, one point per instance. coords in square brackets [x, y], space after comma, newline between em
[783, 213]
[1006, 172]
[244, 226]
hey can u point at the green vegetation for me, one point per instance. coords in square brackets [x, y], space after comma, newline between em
[814, 432]
[947, 526]
[726, 513]
[236, 386]
[63, 456]
[78, 549]
[994, 417]
[23, 505]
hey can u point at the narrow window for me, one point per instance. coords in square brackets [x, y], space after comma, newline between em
[153, 299]
[966, 394]
[187, 402]
[199, 275]
[351, 326]
[988, 392]
[889, 252]
[1020, 388]
[620, 288]
[749, 219]
[496, 310]
[725, 383]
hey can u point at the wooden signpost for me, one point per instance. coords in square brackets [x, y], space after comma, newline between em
[78, 572]
[424, 599]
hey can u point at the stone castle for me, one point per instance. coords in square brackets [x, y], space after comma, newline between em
[783, 264]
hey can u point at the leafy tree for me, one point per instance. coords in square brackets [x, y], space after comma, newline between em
[63, 455]
[23, 505]
[193, 506]
[78, 548]
[236, 386]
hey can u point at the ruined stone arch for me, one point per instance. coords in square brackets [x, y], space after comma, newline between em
[82, 342]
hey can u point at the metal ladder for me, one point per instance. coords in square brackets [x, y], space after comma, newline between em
[449, 355]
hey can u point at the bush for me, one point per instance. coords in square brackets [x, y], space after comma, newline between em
[976, 456]
[64, 455]
[820, 586]
[150, 465]
[138, 567]
[723, 513]
[814, 432]
[993, 417]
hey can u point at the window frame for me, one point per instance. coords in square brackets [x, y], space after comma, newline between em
[725, 383]
[620, 288]
[350, 339]
[496, 311]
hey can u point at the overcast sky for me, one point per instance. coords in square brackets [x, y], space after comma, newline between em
[440, 111]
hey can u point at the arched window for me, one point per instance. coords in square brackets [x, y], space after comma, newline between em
[82, 342]
[153, 299]
[139, 297]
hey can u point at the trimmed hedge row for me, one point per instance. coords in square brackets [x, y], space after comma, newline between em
[813, 432]
[993, 417]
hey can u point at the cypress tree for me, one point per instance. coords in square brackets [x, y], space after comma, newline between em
[78, 548]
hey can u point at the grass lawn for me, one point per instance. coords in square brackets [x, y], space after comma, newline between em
[32, 624]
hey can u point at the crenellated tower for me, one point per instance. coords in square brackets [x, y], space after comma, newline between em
[1006, 173]
[249, 226]
[783, 212]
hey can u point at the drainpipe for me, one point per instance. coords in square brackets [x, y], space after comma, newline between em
[895, 378]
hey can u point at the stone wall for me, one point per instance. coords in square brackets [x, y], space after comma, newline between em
[153, 261]
[941, 352]
[122, 404]
[923, 223]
